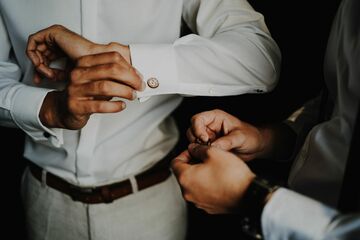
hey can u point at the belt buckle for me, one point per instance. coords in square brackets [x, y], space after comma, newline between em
[106, 194]
[82, 189]
[75, 191]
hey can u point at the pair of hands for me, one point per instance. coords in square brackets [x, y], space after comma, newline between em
[218, 182]
[94, 74]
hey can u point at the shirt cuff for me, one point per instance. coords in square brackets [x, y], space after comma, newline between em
[157, 64]
[25, 113]
[291, 215]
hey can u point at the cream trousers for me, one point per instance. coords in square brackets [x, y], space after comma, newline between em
[155, 213]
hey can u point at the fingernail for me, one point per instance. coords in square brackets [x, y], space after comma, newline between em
[123, 105]
[203, 138]
[134, 95]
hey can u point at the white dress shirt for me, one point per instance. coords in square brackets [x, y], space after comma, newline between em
[231, 52]
[318, 170]
[289, 215]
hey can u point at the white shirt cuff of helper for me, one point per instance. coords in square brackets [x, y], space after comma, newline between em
[156, 62]
[25, 112]
[291, 215]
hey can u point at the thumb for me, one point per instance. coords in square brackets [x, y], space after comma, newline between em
[181, 163]
[59, 75]
[199, 151]
[229, 142]
[37, 78]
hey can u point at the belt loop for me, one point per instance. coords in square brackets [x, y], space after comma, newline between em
[43, 178]
[134, 185]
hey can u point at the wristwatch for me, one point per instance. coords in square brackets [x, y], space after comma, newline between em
[252, 205]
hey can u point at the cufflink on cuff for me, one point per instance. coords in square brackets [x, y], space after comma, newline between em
[153, 82]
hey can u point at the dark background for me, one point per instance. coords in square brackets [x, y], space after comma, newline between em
[300, 28]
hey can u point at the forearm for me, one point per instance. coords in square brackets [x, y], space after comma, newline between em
[279, 142]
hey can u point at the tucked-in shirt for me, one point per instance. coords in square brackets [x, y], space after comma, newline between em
[319, 167]
[289, 215]
[230, 52]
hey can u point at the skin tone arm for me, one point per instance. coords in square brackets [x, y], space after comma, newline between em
[99, 72]
[245, 140]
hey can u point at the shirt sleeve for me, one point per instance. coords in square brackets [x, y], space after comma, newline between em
[20, 104]
[230, 52]
[289, 215]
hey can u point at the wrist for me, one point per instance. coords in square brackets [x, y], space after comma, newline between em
[266, 142]
[48, 113]
[255, 198]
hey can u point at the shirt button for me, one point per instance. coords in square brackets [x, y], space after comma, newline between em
[46, 134]
[153, 82]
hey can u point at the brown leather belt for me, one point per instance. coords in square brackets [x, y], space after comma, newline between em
[106, 193]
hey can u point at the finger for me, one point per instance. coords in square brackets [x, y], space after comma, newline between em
[181, 163]
[190, 136]
[231, 141]
[198, 151]
[31, 50]
[116, 72]
[53, 74]
[41, 47]
[45, 70]
[101, 58]
[37, 78]
[87, 107]
[198, 128]
[200, 125]
[34, 58]
[103, 88]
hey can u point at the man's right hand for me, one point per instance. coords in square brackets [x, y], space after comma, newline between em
[227, 132]
[92, 83]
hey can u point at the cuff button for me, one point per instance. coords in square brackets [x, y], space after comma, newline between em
[153, 82]
[46, 134]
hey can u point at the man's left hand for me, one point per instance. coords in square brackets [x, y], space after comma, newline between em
[217, 183]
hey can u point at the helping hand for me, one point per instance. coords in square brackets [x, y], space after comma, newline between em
[215, 185]
[93, 82]
[229, 133]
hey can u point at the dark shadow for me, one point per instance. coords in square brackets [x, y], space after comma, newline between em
[12, 142]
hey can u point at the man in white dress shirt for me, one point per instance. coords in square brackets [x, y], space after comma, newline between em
[94, 176]
[221, 181]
